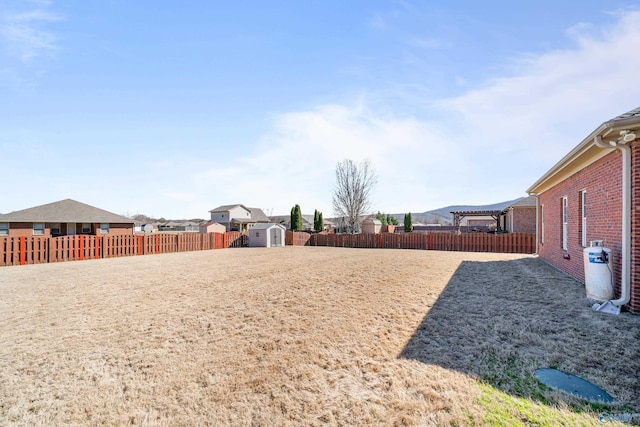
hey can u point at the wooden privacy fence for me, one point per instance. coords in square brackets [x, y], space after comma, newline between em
[296, 238]
[523, 243]
[34, 250]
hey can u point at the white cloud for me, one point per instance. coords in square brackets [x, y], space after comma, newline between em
[296, 162]
[378, 22]
[25, 33]
[552, 100]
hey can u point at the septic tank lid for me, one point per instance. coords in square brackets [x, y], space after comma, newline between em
[573, 385]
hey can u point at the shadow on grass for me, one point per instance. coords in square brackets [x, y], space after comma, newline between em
[499, 321]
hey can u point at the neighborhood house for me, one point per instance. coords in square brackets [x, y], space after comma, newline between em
[238, 217]
[593, 194]
[64, 218]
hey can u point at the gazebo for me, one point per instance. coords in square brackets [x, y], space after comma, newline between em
[459, 215]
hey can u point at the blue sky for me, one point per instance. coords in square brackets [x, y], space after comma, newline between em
[173, 108]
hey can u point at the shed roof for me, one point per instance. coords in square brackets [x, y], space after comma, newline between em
[67, 210]
[266, 226]
[374, 220]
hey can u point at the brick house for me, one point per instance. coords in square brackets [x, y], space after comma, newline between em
[593, 193]
[63, 218]
[520, 217]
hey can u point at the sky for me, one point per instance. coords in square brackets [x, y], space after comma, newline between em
[170, 109]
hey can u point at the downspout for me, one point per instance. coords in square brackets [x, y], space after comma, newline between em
[625, 287]
[538, 231]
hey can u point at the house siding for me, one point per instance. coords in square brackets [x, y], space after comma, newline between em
[602, 181]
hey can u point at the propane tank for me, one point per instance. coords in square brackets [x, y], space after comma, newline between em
[597, 271]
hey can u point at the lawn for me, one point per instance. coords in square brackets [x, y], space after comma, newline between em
[305, 336]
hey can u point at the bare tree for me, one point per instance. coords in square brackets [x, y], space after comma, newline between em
[354, 183]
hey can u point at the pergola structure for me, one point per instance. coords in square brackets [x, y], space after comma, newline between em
[459, 215]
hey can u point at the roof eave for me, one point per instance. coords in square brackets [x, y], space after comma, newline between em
[583, 154]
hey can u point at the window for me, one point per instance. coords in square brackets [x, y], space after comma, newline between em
[564, 223]
[583, 211]
[542, 224]
[38, 229]
[104, 228]
[55, 228]
[4, 228]
[86, 228]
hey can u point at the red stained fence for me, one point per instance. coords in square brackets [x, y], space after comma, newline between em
[523, 243]
[34, 250]
[297, 238]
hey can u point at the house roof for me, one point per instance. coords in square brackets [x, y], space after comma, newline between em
[64, 211]
[587, 152]
[226, 208]
[257, 215]
[525, 202]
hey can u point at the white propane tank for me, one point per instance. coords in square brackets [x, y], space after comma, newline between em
[597, 272]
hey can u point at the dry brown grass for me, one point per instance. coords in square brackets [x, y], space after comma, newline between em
[304, 336]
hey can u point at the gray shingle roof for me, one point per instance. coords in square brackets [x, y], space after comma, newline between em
[258, 216]
[525, 201]
[633, 113]
[64, 211]
[225, 208]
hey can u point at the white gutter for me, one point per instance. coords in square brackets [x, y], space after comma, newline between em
[625, 287]
[538, 230]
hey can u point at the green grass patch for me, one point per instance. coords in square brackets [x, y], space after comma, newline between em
[504, 409]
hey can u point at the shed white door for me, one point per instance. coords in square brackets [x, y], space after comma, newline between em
[71, 228]
[275, 237]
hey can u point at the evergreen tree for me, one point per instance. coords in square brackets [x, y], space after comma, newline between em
[292, 218]
[382, 218]
[297, 218]
[392, 220]
[408, 226]
[316, 215]
[320, 222]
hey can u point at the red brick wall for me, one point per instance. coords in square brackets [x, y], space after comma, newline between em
[116, 229]
[602, 181]
[635, 226]
[524, 220]
[17, 229]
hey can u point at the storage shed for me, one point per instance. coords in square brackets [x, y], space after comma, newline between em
[212, 227]
[266, 235]
[371, 225]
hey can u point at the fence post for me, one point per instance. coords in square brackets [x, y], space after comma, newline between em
[23, 251]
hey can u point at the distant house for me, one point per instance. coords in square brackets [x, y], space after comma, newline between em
[212, 227]
[238, 217]
[371, 225]
[266, 235]
[520, 217]
[307, 222]
[593, 194]
[64, 218]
